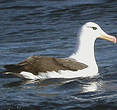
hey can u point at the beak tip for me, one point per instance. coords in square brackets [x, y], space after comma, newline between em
[115, 40]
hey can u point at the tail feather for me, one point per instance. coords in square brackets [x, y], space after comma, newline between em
[13, 68]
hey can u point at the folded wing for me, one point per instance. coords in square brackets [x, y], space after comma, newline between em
[37, 64]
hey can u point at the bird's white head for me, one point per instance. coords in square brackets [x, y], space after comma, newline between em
[94, 31]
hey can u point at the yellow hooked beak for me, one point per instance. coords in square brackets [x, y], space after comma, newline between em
[108, 37]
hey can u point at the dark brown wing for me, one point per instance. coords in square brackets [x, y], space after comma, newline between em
[71, 64]
[36, 64]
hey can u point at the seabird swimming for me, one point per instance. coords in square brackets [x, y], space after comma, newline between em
[81, 63]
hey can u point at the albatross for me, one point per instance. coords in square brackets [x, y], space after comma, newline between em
[81, 63]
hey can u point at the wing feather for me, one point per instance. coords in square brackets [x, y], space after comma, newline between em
[36, 64]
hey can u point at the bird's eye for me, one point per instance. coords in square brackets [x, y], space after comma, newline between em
[94, 28]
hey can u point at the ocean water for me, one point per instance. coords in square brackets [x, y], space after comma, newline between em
[49, 28]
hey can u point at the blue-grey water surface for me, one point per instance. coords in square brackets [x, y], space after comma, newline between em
[49, 28]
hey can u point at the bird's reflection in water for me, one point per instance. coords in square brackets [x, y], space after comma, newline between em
[92, 86]
[18, 83]
[55, 85]
[46, 82]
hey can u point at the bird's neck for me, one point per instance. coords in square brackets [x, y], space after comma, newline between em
[84, 51]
